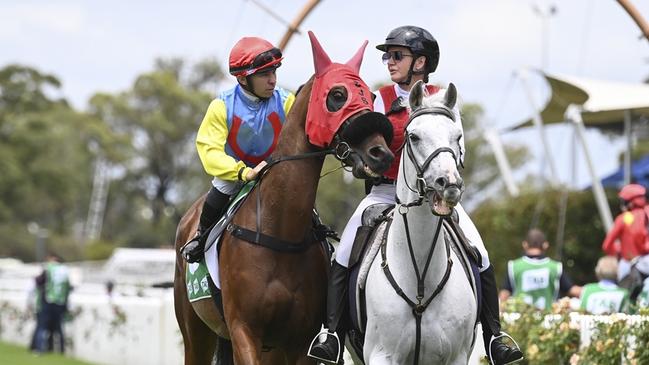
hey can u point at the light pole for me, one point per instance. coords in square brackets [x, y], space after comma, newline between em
[545, 15]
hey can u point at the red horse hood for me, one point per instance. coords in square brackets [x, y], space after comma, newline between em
[321, 124]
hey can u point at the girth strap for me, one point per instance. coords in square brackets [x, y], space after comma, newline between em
[267, 241]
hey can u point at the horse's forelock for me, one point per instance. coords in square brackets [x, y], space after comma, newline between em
[435, 100]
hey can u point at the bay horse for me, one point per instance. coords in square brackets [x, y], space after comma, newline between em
[274, 302]
[416, 315]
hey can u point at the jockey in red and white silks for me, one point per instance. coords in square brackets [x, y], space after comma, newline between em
[385, 192]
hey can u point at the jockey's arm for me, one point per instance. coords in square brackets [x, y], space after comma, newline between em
[210, 143]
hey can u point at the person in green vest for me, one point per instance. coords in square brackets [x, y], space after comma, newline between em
[535, 278]
[55, 285]
[604, 297]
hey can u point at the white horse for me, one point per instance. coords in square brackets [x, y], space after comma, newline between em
[433, 320]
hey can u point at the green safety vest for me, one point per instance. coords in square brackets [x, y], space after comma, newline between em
[604, 298]
[536, 281]
[57, 284]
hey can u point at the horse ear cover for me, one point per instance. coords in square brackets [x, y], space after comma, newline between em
[372, 121]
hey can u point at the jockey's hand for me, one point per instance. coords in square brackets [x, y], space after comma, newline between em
[252, 174]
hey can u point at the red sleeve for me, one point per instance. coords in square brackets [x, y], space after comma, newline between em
[609, 246]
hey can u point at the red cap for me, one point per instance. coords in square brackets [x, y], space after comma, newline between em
[252, 54]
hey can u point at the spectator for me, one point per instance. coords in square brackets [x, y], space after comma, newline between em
[35, 305]
[55, 286]
[627, 239]
[535, 278]
[604, 297]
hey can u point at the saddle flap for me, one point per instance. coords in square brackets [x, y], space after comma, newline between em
[233, 207]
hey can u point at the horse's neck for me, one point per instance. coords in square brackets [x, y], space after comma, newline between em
[423, 228]
[289, 189]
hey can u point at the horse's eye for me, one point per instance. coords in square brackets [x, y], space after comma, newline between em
[413, 138]
[338, 95]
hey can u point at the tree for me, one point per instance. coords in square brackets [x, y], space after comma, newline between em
[161, 112]
[503, 224]
[480, 167]
[45, 161]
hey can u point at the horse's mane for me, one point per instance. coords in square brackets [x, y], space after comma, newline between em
[301, 103]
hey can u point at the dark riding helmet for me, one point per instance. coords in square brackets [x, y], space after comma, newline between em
[419, 40]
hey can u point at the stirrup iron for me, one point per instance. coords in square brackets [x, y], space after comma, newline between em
[503, 334]
[321, 337]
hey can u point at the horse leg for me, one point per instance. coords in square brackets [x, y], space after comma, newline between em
[246, 345]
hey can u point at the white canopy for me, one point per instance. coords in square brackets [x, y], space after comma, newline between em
[603, 103]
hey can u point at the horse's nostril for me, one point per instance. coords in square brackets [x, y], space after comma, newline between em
[441, 182]
[381, 154]
[377, 152]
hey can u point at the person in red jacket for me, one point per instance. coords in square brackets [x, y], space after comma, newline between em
[627, 239]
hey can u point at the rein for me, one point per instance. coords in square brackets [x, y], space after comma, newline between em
[420, 305]
[341, 151]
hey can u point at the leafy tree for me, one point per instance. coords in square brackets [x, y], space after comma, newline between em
[161, 113]
[504, 223]
[45, 161]
[480, 167]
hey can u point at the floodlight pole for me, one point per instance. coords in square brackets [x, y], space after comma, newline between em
[573, 114]
[538, 122]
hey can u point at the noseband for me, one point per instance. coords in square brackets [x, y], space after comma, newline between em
[422, 188]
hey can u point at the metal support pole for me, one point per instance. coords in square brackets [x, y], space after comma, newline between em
[501, 158]
[573, 114]
[538, 122]
[627, 151]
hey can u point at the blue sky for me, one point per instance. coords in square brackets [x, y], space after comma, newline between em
[102, 46]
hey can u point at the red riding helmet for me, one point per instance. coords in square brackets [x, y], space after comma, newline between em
[633, 193]
[253, 54]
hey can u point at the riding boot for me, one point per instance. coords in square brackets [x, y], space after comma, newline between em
[215, 204]
[498, 352]
[327, 347]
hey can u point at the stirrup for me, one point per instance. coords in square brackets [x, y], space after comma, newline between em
[321, 337]
[185, 255]
[504, 334]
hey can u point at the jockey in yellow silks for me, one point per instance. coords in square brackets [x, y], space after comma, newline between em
[240, 130]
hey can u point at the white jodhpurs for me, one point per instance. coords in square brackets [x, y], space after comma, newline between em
[385, 193]
[227, 187]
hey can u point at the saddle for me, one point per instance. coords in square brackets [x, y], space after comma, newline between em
[202, 278]
[376, 221]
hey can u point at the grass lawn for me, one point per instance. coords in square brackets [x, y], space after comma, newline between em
[18, 355]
